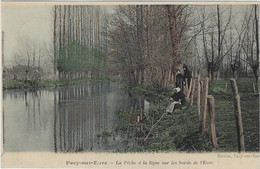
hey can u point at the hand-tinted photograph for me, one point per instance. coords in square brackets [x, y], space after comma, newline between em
[130, 78]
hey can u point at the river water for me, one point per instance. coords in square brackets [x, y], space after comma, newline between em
[64, 119]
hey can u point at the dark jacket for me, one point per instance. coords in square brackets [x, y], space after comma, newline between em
[180, 96]
[179, 81]
[187, 75]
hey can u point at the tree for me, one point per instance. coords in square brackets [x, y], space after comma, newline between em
[174, 39]
[215, 39]
[32, 58]
[76, 26]
[145, 42]
[250, 44]
[75, 58]
[255, 67]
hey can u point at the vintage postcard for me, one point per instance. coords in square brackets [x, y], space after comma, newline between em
[130, 85]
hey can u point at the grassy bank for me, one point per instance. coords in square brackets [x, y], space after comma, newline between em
[15, 84]
[225, 117]
[180, 131]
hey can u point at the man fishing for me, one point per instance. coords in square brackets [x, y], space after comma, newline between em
[178, 99]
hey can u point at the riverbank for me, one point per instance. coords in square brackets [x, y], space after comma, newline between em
[36, 84]
[181, 130]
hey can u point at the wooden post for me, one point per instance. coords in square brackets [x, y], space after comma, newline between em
[186, 88]
[188, 91]
[201, 96]
[192, 93]
[254, 87]
[238, 115]
[240, 131]
[211, 107]
[204, 103]
[138, 119]
[189, 88]
[198, 94]
[141, 114]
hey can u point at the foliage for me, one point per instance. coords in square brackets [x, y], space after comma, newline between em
[14, 84]
[155, 94]
[128, 116]
[106, 133]
[78, 58]
[123, 127]
[223, 87]
[181, 130]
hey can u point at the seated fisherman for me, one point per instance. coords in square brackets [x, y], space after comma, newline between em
[178, 99]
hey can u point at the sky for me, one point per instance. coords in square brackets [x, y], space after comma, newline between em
[23, 22]
[27, 22]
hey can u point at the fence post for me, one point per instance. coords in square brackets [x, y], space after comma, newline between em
[186, 87]
[211, 107]
[201, 96]
[192, 92]
[141, 114]
[198, 94]
[138, 119]
[188, 91]
[238, 115]
[189, 88]
[204, 103]
[254, 87]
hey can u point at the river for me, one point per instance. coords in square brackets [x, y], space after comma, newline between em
[64, 119]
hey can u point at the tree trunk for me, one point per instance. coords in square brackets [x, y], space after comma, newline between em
[257, 48]
[210, 74]
[54, 39]
[139, 18]
[173, 38]
[219, 38]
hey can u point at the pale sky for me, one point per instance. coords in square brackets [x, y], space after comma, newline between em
[33, 22]
[27, 22]
[22, 22]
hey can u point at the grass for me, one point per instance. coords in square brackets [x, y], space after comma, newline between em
[181, 130]
[106, 133]
[15, 84]
[225, 117]
[127, 116]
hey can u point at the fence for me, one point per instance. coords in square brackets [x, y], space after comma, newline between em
[206, 104]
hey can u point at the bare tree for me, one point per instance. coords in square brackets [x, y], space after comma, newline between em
[255, 67]
[145, 42]
[31, 59]
[250, 44]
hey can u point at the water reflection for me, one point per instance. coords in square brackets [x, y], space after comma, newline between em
[65, 119]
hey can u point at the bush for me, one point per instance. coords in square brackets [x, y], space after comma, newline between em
[106, 133]
[128, 116]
